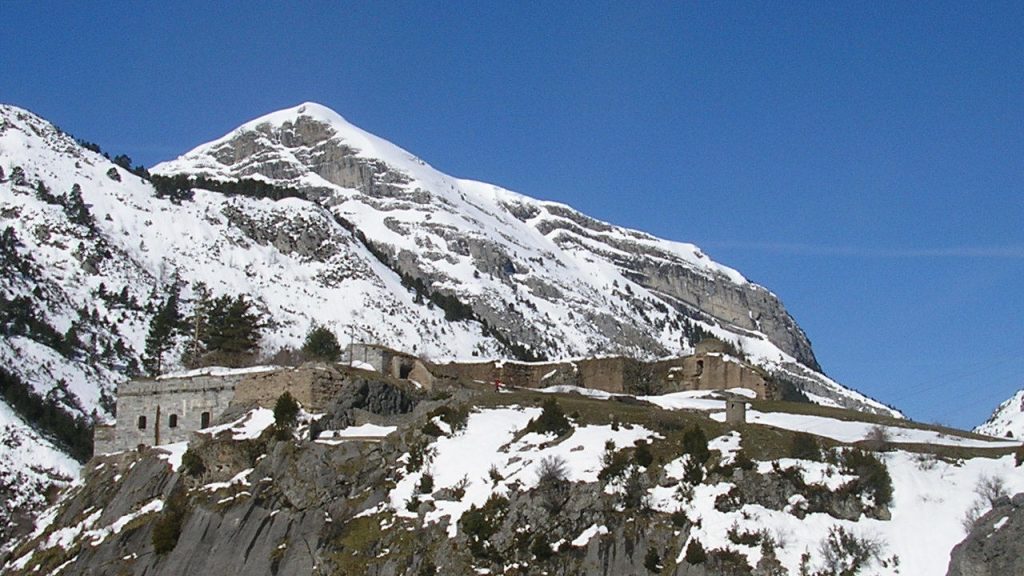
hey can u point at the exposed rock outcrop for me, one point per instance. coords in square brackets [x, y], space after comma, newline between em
[995, 546]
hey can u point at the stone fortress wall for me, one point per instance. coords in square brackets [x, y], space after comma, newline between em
[167, 410]
[713, 366]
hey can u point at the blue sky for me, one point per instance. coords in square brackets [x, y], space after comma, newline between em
[864, 161]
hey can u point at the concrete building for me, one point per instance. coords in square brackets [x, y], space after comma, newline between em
[165, 410]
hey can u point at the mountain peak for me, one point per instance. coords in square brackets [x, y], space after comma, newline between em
[1007, 419]
[306, 125]
[312, 110]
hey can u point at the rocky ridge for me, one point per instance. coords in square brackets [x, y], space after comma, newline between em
[996, 544]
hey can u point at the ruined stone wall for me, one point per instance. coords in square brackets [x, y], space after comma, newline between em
[608, 374]
[159, 402]
[376, 356]
[312, 385]
[721, 373]
[482, 372]
[711, 372]
[421, 374]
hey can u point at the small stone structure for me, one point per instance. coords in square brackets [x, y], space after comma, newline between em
[390, 362]
[735, 411]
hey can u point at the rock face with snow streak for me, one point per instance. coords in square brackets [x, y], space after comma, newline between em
[996, 544]
[1007, 420]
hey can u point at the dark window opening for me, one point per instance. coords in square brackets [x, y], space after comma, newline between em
[700, 367]
[142, 422]
[404, 370]
[204, 420]
[172, 421]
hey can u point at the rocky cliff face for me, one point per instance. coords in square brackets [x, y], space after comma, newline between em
[996, 544]
[264, 504]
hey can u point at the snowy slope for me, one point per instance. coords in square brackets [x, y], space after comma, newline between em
[29, 466]
[931, 496]
[1007, 420]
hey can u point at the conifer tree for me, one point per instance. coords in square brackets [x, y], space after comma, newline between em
[163, 328]
[232, 328]
[321, 344]
[77, 211]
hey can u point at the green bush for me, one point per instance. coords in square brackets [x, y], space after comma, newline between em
[803, 446]
[540, 548]
[695, 443]
[693, 471]
[634, 494]
[643, 455]
[192, 464]
[872, 475]
[552, 420]
[431, 429]
[695, 553]
[426, 484]
[745, 538]
[167, 527]
[615, 463]
[742, 461]
[680, 519]
[321, 344]
[479, 524]
[652, 561]
[286, 410]
[727, 561]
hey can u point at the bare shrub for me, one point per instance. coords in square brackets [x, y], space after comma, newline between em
[846, 553]
[988, 491]
[878, 439]
[553, 483]
[991, 488]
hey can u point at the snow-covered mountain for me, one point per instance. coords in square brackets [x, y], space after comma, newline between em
[1007, 420]
[375, 244]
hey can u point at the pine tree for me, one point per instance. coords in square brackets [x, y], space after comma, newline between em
[163, 328]
[321, 344]
[76, 210]
[233, 328]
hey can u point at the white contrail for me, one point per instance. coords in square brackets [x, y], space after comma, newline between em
[998, 252]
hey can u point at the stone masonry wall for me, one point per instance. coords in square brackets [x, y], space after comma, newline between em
[158, 402]
[314, 386]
